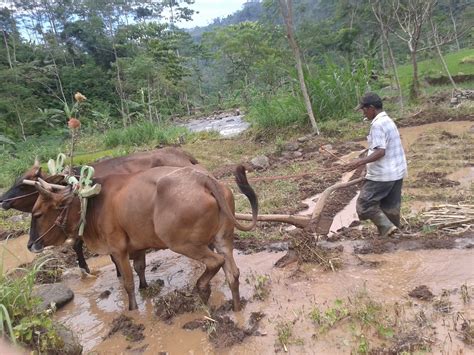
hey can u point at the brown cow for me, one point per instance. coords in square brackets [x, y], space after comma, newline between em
[182, 209]
[23, 197]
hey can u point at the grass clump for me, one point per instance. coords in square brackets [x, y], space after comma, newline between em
[361, 315]
[327, 319]
[285, 335]
[261, 286]
[144, 133]
[19, 319]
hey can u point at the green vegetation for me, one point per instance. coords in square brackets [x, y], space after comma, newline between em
[458, 63]
[261, 286]
[362, 314]
[20, 320]
[333, 89]
[327, 319]
[285, 334]
[143, 134]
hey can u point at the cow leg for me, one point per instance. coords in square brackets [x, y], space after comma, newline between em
[117, 269]
[212, 261]
[224, 246]
[81, 261]
[122, 260]
[139, 264]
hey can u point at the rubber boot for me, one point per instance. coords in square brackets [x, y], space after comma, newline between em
[394, 218]
[385, 227]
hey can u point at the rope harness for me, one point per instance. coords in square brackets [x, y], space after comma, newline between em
[19, 197]
[82, 188]
[60, 222]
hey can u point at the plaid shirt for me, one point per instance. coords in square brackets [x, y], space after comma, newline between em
[393, 165]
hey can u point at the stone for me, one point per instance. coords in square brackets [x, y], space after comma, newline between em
[279, 246]
[261, 162]
[327, 147]
[302, 139]
[58, 294]
[297, 154]
[291, 146]
[72, 346]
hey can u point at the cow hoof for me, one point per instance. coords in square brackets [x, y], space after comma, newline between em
[142, 286]
[203, 294]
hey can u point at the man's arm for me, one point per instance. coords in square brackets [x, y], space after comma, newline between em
[355, 163]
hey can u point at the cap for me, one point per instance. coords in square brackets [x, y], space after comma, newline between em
[369, 99]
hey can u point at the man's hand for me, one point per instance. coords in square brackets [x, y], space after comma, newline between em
[353, 164]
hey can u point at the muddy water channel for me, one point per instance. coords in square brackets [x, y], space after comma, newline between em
[291, 299]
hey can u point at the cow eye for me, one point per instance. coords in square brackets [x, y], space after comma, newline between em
[37, 215]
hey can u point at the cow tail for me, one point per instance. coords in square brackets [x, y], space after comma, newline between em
[245, 188]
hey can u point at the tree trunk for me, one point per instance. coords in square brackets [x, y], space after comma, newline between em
[150, 110]
[20, 121]
[120, 90]
[382, 50]
[395, 70]
[377, 10]
[454, 26]
[415, 89]
[7, 49]
[285, 6]
[438, 50]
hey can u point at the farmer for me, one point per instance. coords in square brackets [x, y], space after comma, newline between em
[380, 196]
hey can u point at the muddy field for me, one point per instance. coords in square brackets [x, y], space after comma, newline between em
[341, 291]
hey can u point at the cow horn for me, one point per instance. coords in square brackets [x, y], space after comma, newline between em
[45, 185]
[48, 186]
[36, 163]
[43, 190]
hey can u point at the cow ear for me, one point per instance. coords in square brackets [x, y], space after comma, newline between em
[37, 172]
[66, 198]
[43, 191]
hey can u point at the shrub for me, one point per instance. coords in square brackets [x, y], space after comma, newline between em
[20, 320]
[334, 91]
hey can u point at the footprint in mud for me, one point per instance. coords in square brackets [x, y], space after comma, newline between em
[133, 332]
[421, 292]
[222, 330]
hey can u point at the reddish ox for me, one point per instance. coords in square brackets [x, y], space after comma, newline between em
[182, 209]
[22, 197]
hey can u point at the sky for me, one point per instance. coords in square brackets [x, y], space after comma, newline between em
[211, 9]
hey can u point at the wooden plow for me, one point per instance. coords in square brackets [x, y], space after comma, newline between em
[302, 221]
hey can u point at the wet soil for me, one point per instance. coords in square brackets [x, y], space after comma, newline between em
[125, 325]
[433, 179]
[223, 332]
[421, 292]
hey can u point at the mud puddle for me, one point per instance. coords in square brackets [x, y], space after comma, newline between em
[13, 252]
[292, 296]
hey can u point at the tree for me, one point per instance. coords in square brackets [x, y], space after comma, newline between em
[411, 16]
[287, 13]
[384, 20]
